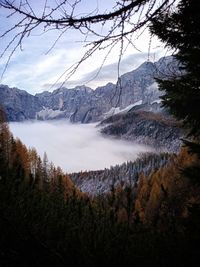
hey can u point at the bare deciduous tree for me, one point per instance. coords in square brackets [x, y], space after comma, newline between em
[123, 23]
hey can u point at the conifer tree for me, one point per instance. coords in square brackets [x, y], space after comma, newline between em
[180, 30]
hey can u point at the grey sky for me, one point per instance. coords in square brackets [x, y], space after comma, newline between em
[33, 69]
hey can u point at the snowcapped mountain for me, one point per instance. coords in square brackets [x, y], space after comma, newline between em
[82, 104]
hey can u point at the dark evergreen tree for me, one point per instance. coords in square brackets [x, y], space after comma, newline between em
[180, 30]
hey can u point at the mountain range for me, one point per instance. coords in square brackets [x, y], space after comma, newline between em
[131, 109]
[84, 105]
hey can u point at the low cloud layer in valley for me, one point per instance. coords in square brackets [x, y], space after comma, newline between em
[75, 147]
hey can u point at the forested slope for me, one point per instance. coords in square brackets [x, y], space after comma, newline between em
[46, 221]
[102, 181]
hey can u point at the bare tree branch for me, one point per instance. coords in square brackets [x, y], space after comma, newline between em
[125, 19]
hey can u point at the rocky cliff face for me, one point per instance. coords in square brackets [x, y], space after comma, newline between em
[18, 104]
[85, 105]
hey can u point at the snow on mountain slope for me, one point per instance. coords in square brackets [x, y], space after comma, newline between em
[49, 114]
[114, 111]
[84, 105]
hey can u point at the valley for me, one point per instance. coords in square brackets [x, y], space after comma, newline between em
[102, 132]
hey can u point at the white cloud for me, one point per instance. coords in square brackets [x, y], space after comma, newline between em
[108, 73]
[33, 70]
[75, 147]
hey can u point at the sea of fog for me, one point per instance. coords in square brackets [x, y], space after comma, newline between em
[75, 147]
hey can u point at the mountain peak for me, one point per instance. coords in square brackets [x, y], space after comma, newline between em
[82, 104]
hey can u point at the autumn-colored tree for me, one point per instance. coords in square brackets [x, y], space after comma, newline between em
[5, 145]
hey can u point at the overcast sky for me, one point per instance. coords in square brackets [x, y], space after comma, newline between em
[35, 70]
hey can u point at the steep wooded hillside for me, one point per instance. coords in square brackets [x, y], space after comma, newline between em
[160, 131]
